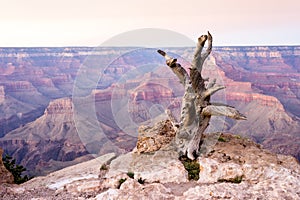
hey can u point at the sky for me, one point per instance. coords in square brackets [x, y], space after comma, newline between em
[91, 22]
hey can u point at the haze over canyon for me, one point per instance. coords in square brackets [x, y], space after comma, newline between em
[61, 106]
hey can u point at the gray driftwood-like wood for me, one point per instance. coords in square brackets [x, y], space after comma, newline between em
[196, 109]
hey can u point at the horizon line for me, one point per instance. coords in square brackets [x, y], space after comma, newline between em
[122, 46]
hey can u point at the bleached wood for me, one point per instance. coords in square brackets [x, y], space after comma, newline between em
[212, 90]
[227, 111]
[196, 109]
[178, 70]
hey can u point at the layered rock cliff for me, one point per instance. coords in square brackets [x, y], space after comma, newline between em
[32, 77]
[272, 70]
[43, 145]
[262, 82]
[52, 141]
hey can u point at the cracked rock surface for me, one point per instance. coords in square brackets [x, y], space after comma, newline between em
[234, 168]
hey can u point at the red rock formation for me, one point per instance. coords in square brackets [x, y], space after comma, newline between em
[60, 106]
[52, 137]
[9, 69]
[43, 82]
[151, 92]
[19, 86]
[62, 79]
[272, 70]
[261, 99]
[102, 95]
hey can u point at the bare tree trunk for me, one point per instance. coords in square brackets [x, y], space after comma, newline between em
[196, 109]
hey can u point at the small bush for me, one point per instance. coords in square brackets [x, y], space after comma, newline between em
[237, 179]
[141, 181]
[192, 167]
[221, 139]
[104, 167]
[130, 174]
[238, 137]
[121, 181]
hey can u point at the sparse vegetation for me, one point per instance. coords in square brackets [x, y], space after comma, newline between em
[16, 170]
[130, 174]
[141, 181]
[237, 179]
[238, 137]
[192, 167]
[222, 139]
[104, 167]
[121, 181]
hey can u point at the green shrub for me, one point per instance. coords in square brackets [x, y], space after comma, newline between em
[221, 139]
[237, 179]
[16, 170]
[192, 167]
[238, 137]
[130, 174]
[121, 181]
[104, 167]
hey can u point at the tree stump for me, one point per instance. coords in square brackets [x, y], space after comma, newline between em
[196, 109]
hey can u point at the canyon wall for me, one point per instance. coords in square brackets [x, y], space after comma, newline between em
[37, 122]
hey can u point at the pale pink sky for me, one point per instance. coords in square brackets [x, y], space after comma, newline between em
[91, 22]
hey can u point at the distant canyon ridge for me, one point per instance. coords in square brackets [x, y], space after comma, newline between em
[45, 127]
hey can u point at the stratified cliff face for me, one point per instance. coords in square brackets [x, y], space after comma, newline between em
[263, 100]
[44, 144]
[31, 77]
[262, 82]
[52, 142]
[268, 118]
[20, 86]
[60, 106]
[272, 70]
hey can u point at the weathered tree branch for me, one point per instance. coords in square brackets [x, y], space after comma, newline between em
[209, 47]
[227, 111]
[178, 70]
[196, 109]
[212, 90]
[212, 83]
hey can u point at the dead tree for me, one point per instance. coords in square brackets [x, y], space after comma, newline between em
[196, 109]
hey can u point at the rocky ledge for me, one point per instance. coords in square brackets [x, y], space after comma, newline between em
[234, 168]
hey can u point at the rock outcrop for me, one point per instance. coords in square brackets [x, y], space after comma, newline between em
[234, 168]
[264, 100]
[60, 106]
[151, 139]
[19, 86]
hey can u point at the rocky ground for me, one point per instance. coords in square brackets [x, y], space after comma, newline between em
[233, 168]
